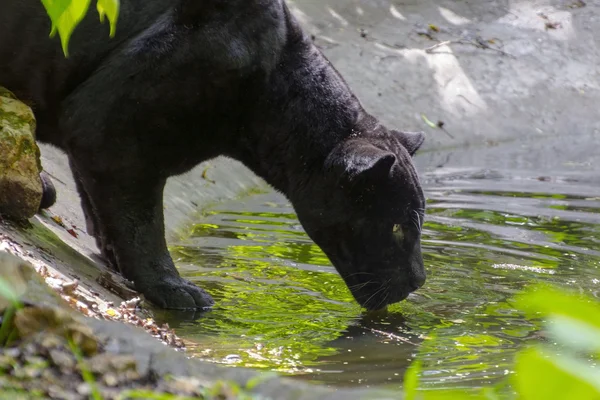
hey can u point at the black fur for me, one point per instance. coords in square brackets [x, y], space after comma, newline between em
[48, 191]
[186, 80]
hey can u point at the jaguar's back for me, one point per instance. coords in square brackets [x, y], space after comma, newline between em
[34, 67]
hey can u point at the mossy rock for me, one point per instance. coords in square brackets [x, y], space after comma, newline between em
[20, 167]
[26, 286]
[4, 92]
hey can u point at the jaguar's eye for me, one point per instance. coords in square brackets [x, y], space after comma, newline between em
[398, 232]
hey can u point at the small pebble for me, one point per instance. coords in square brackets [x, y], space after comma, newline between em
[110, 380]
[84, 389]
[50, 341]
[233, 358]
[69, 287]
[61, 359]
[28, 372]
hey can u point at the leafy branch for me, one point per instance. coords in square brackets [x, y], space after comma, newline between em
[67, 14]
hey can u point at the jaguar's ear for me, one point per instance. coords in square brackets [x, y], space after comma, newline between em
[358, 160]
[411, 141]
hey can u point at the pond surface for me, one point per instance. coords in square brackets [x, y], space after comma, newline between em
[498, 218]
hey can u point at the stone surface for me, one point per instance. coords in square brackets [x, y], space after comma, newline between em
[546, 83]
[25, 283]
[129, 353]
[158, 360]
[20, 183]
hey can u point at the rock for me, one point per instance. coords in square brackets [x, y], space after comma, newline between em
[62, 322]
[185, 386]
[62, 359]
[50, 341]
[107, 362]
[110, 379]
[84, 389]
[56, 392]
[15, 282]
[28, 372]
[27, 284]
[6, 363]
[20, 167]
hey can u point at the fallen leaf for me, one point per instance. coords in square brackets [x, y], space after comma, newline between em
[73, 233]
[428, 122]
[205, 177]
[577, 4]
[58, 220]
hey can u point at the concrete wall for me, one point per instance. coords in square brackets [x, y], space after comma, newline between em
[548, 85]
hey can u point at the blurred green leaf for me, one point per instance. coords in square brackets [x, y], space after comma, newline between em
[55, 9]
[110, 9]
[542, 377]
[575, 333]
[541, 300]
[428, 122]
[7, 328]
[8, 295]
[411, 380]
[452, 394]
[65, 16]
[86, 373]
[150, 395]
[490, 393]
[252, 383]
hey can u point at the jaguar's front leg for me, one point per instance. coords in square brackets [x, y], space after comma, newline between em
[127, 212]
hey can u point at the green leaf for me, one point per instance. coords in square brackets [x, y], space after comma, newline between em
[411, 380]
[53, 31]
[56, 8]
[452, 394]
[428, 122]
[65, 16]
[150, 395]
[542, 377]
[110, 9]
[490, 393]
[575, 333]
[259, 379]
[8, 295]
[7, 326]
[541, 300]
[86, 373]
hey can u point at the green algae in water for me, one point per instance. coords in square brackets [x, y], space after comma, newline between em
[270, 316]
[282, 307]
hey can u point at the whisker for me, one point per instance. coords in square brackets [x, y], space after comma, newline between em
[360, 285]
[385, 298]
[417, 222]
[382, 287]
[359, 273]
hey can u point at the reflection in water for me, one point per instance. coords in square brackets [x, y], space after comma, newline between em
[280, 305]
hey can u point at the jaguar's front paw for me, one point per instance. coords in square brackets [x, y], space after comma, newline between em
[178, 293]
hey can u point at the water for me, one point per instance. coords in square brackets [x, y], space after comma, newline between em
[499, 218]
